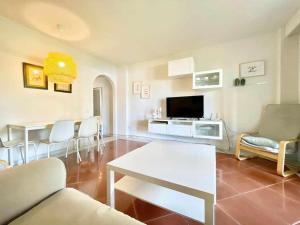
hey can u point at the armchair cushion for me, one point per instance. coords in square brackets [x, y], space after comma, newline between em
[265, 144]
[261, 141]
[263, 148]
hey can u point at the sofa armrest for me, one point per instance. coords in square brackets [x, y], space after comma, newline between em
[25, 186]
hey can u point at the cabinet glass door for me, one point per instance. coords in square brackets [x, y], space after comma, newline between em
[209, 79]
[208, 130]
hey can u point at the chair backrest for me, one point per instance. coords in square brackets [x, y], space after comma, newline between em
[88, 127]
[280, 122]
[62, 131]
[1, 143]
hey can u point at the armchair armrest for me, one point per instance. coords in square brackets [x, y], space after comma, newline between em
[289, 141]
[238, 144]
[244, 134]
[281, 157]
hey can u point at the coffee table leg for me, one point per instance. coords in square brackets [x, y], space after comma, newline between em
[111, 188]
[209, 211]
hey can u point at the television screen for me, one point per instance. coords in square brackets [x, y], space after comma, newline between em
[185, 107]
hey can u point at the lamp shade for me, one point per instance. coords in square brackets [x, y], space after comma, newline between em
[60, 68]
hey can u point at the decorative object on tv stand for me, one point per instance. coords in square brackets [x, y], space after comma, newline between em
[136, 87]
[157, 113]
[145, 91]
[66, 88]
[34, 77]
[60, 68]
[252, 69]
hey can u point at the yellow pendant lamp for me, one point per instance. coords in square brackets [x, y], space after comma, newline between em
[60, 68]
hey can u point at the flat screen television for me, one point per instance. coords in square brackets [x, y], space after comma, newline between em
[185, 107]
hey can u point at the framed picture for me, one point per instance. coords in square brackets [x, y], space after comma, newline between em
[145, 91]
[136, 87]
[67, 88]
[34, 77]
[252, 69]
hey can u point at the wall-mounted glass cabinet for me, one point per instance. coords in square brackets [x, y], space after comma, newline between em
[208, 79]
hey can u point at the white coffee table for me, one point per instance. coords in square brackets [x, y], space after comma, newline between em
[177, 176]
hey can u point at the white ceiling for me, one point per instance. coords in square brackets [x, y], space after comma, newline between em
[127, 31]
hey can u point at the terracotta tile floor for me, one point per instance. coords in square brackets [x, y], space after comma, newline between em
[248, 192]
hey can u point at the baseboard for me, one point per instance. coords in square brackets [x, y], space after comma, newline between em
[146, 138]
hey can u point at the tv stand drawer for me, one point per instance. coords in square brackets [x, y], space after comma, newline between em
[206, 129]
[180, 130]
[158, 128]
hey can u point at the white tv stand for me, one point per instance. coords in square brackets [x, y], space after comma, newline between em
[208, 129]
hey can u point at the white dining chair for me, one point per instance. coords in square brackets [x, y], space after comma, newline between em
[62, 131]
[19, 144]
[88, 128]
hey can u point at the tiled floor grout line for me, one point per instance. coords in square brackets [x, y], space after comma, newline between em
[287, 197]
[160, 217]
[246, 192]
[134, 209]
[231, 217]
[80, 182]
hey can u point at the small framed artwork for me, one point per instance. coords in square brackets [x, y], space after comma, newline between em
[67, 88]
[34, 77]
[136, 87]
[145, 91]
[252, 69]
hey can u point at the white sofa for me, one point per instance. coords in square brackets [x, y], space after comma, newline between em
[36, 194]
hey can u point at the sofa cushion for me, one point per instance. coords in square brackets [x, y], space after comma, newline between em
[71, 207]
[22, 187]
[261, 141]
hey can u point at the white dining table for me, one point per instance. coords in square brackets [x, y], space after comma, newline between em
[26, 128]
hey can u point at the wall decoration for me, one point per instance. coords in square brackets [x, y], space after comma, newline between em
[239, 82]
[136, 87]
[243, 82]
[252, 69]
[67, 88]
[34, 77]
[145, 91]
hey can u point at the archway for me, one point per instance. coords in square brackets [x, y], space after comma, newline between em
[103, 103]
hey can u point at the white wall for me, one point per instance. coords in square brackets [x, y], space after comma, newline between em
[290, 70]
[107, 103]
[123, 97]
[17, 104]
[290, 60]
[240, 107]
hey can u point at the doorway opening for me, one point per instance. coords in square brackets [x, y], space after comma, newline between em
[103, 103]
